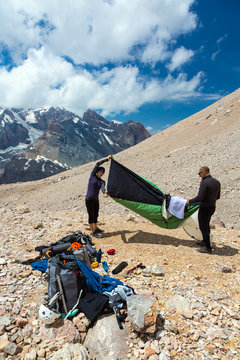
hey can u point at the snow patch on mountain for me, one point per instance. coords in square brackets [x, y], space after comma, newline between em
[107, 138]
[14, 149]
[40, 158]
[31, 118]
[33, 133]
[27, 164]
[116, 122]
[76, 120]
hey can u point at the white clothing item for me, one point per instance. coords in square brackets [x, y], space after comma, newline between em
[119, 293]
[176, 206]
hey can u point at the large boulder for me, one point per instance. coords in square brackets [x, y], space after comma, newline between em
[61, 330]
[143, 312]
[106, 341]
[70, 352]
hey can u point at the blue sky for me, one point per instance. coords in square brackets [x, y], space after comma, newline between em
[151, 61]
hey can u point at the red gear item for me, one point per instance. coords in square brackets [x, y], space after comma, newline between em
[111, 252]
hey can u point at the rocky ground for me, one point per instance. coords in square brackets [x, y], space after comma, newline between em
[197, 294]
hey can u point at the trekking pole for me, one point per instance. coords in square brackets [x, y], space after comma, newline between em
[54, 299]
[70, 311]
[62, 294]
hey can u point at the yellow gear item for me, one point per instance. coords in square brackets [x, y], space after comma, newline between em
[94, 264]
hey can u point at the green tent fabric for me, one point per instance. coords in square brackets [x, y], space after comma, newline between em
[142, 197]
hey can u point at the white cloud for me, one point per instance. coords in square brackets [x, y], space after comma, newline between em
[214, 55]
[218, 43]
[222, 38]
[40, 35]
[95, 31]
[149, 128]
[44, 79]
[153, 131]
[179, 58]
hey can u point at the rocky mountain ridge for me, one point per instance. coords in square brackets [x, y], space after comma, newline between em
[60, 138]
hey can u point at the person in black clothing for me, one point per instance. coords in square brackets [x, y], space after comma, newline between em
[95, 183]
[209, 193]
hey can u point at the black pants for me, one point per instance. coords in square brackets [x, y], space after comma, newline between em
[204, 217]
[92, 206]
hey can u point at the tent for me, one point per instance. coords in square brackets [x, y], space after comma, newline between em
[143, 197]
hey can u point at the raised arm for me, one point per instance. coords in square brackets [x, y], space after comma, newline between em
[100, 163]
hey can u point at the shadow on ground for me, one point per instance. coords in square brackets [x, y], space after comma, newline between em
[151, 238]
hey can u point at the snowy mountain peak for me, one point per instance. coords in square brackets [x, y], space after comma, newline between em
[59, 135]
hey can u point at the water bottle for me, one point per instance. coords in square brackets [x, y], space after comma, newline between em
[99, 255]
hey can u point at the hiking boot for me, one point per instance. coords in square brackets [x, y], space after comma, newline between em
[205, 250]
[98, 231]
[96, 235]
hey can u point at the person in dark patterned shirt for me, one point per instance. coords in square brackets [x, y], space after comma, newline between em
[208, 194]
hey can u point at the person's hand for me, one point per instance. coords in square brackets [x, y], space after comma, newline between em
[109, 157]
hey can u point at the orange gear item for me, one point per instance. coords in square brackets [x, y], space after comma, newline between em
[75, 245]
[49, 253]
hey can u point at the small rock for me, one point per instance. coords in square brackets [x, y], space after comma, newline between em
[70, 352]
[20, 322]
[25, 273]
[38, 226]
[164, 356]
[5, 320]
[17, 307]
[81, 322]
[210, 347]
[31, 355]
[153, 271]
[3, 342]
[228, 269]
[41, 353]
[180, 304]
[157, 271]
[26, 257]
[37, 273]
[131, 218]
[12, 349]
[149, 351]
[153, 357]
[25, 210]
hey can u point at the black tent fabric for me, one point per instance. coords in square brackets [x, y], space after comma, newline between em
[125, 184]
[142, 197]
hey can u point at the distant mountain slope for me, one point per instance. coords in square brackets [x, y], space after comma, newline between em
[58, 136]
[170, 159]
